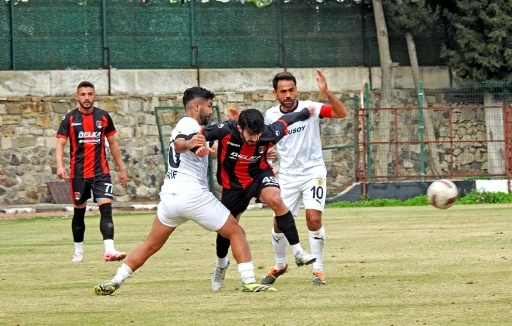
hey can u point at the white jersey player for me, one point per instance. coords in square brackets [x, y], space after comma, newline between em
[302, 172]
[185, 196]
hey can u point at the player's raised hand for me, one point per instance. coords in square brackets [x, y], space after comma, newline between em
[320, 80]
[233, 113]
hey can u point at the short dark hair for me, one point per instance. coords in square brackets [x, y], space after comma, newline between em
[283, 76]
[251, 120]
[195, 92]
[85, 84]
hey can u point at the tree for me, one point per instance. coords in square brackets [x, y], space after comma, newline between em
[411, 18]
[386, 66]
[480, 49]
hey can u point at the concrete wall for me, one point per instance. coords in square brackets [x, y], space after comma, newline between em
[32, 104]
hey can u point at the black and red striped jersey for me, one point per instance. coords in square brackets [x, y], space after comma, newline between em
[239, 164]
[87, 134]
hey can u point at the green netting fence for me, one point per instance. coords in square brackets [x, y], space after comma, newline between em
[163, 34]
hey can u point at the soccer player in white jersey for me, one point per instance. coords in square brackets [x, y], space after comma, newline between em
[185, 196]
[302, 172]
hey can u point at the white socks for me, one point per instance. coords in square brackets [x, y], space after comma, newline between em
[280, 244]
[109, 245]
[79, 248]
[222, 262]
[246, 271]
[122, 274]
[316, 243]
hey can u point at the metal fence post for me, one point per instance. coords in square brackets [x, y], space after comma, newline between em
[421, 101]
[367, 127]
[13, 52]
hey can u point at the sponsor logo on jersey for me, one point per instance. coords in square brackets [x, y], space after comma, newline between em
[233, 144]
[244, 158]
[76, 124]
[89, 134]
[99, 124]
[296, 130]
[89, 137]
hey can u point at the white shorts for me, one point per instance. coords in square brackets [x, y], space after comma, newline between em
[310, 191]
[198, 205]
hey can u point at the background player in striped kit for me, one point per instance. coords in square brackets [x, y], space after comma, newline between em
[88, 127]
[302, 172]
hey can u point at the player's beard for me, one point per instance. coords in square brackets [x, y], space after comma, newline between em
[288, 103]
[204, 119]
[86, 105]
[248, 142]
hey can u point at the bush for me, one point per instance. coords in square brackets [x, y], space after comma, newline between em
[474, 197]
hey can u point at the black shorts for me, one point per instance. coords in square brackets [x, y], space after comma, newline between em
[100, 186]
[237, 200]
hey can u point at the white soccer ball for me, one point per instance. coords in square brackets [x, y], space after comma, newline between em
[442, 193]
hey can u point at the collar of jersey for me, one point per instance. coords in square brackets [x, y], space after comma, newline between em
[293, 110]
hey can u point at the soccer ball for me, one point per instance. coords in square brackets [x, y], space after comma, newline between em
[442, 193]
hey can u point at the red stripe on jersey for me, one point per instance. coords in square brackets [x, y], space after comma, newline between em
[89, 155]
[73, 145]
[223, 174]
[104, 164]
[326, 111]
[242, 168]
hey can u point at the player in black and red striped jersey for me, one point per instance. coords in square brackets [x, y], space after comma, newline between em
[88, 127]
[244, 173]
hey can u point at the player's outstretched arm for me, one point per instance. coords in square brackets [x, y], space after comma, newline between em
[338, 109]
[182, 145]
[291, 118]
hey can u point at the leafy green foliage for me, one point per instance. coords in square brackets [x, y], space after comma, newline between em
[485, 197]
[480, 33]
[474, 197]
[409, 16]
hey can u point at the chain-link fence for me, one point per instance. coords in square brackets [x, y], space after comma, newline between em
[159, 34]
[460, 132]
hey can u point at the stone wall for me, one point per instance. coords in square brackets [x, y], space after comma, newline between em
[32, 105]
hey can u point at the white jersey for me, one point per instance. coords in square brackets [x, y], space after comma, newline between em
[184, 167]
[300, 150]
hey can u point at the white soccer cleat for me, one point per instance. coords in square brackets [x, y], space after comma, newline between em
[78, 257]
[303, 258]
[218, 277]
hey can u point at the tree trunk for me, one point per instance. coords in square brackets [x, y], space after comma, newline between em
[382, 158]
[494, 130]
[432, 156]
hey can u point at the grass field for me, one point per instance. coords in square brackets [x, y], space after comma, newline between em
[384, 266]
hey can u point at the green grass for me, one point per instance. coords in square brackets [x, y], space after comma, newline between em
[384, 266]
